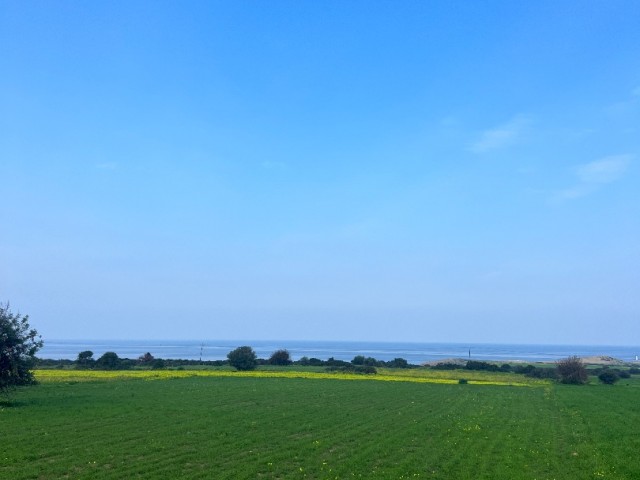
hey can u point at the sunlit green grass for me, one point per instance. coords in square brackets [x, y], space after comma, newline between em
[246, 428]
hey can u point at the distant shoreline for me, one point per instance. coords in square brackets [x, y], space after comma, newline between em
[415, 353]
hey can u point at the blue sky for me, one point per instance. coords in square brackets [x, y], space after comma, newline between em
[419, 171]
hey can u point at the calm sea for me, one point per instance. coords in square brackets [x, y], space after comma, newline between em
[413, 352]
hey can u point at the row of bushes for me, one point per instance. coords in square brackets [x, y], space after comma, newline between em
[570, 370]
[242, 358]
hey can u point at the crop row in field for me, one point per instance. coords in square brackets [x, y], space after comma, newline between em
[247, 427]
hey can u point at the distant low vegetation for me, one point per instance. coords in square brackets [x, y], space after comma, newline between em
[569, 371]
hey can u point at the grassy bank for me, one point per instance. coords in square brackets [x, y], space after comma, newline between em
[233, 427]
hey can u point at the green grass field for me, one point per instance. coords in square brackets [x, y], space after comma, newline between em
[276, 428]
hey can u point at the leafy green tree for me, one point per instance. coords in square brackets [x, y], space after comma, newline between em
[358, 360]
[571, 370]
[280, 357]
[85, 359]
[18, 346]
[108, 361]
[243, 358]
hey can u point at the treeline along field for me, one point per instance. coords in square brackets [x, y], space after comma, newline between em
[240, 427]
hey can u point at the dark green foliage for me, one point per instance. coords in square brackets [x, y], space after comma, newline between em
[398, 363]
[623, 373]
[523, 369]
[85, 359]
[18, 346]
[572, 371]
[358, 360]
[146, 359]
[280, 357]
[243, 358]
[332, 362]
[609, 377]
[370, 361]
[109, 361]
[313, 362]
[463, 381]
[475, 365]
[505, 367]
[634, 370]
[158, 364]
[447, 366]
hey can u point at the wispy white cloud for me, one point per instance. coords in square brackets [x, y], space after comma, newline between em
[593, 175]
[501, 136]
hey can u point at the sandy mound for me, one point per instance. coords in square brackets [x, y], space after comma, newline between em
[601, 360]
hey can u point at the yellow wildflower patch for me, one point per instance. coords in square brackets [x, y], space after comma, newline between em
[386, 376]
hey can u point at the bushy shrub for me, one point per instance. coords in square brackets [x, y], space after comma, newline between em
[332, 362]
[158, 364]
[572, 371]
[463, 381]
[505, 367]
[358, 360]
[609, 377]
[280, 357]
[314, 362]
[523, 369]
[398, 363]
[634, 370]
[109, 361]
[476, 365]
[243, 358]
[542, 372]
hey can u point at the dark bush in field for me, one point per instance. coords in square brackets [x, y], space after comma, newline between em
[572, 371]
[476, 365]
[634, 370]
[109, 361]
[158, 364]
[362, 360]
[463, 381]
[505, 367]
[523, 369]
[280, 357]
[243, 358]
[609, 377]
[332, 362]
[623, 373]
[398, 363]
[314, 362]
